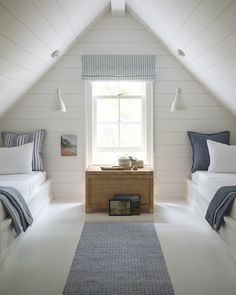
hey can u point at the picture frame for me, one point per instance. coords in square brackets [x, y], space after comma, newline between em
[69, 145]
[120, 207]
[135, 201]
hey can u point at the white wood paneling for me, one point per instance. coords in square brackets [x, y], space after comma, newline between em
[199, 113]
[108, 48]
[224, 50]
[171, 176]
[72, 113]
[174, 22]
[55, 16]
[187, 87]
[15, 54]
[41, 29]
[203, 15]
[65, 164]
[172, 149]
[170, 125]
[214, 33]
[30, 30]
[58, 126]
[190, 99]
[74, 14]
[67, 87]
[122, 36]
[205, 30]
[42, 100]
[117, 24]
[12, 71]
[21, 35]
[66, 177]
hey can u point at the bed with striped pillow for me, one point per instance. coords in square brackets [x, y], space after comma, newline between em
[13, 139]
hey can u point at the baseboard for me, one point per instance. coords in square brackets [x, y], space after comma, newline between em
[67, 200]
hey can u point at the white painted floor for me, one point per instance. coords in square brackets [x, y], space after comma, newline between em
[39, 262]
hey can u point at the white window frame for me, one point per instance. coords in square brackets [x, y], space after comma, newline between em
[119, 149]
[147, 116]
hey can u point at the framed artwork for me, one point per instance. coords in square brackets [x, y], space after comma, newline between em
[135, 202]
[119, 207]
[69, 145]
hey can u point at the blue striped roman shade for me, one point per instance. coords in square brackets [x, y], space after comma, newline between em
[12, 139]
[118, 67]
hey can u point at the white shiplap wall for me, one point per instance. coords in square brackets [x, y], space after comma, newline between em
[205, 30]
[119, 35]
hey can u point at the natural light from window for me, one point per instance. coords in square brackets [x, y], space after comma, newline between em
[119, 121]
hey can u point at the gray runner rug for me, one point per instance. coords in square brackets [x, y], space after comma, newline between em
[118, 258]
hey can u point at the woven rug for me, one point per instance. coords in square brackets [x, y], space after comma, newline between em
[118, 258]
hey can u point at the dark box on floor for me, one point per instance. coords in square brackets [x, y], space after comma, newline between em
[135, 202]
[121, 207]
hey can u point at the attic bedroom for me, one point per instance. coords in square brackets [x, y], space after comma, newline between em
[117, 147]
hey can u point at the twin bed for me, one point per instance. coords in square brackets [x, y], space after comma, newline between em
[25, 189]
[36, 191]
[201, 188]
[212, 186]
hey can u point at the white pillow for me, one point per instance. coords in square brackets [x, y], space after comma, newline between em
[16, 160]
[222, 157]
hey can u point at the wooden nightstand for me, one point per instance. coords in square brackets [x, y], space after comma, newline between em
[101, 185]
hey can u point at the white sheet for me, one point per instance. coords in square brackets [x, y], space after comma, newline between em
[208, 183]
[27, 184]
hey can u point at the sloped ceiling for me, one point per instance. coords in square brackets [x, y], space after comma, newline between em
[30, 30]
[206, 31]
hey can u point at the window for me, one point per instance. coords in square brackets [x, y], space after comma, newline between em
[120, 115]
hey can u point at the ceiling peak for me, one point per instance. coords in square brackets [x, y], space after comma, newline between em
[118, 7]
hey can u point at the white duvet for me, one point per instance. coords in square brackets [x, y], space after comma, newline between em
[26, 184]
[208, 183]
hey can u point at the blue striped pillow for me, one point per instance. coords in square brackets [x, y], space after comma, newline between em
[12, 139]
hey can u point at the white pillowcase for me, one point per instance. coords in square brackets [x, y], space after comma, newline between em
[16, 160]
[222, 157]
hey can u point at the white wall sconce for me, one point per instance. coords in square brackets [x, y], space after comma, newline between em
[58, 103]
[178, 102]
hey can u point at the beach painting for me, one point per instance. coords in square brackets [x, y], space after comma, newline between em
[69, 145]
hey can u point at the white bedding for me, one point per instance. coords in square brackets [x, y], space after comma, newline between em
[208, 183]
[27, 184]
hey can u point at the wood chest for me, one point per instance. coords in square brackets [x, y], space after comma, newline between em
[101, 185]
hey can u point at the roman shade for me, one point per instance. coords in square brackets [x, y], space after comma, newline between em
[118, 67]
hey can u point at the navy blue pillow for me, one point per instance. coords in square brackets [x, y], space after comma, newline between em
[201, 157]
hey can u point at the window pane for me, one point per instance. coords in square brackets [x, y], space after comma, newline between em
[107, 135]
[102, 88]
[131, 135]
[107, 110]
[105, 88]
[131, 110]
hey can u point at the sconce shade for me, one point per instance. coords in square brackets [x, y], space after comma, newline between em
[59, 105]
[178, 103]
